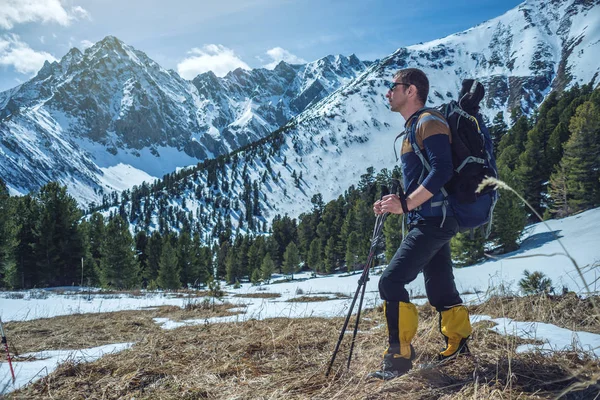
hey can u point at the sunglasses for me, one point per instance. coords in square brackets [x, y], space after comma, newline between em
[394, 84]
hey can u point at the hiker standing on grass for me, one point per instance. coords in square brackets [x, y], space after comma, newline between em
[426, 246]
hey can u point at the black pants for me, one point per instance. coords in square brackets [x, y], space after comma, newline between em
[425, 248]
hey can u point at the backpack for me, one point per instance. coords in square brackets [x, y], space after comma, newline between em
[472, 158]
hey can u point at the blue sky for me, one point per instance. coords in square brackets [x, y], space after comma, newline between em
[192, 36]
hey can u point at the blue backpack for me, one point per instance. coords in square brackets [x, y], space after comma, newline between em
[472, 158]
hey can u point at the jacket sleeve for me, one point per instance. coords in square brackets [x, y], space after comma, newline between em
[439, 154]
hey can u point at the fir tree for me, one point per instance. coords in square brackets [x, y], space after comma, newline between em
[291, 260]
[25, 274]
[154, 251]
[185, 258]
[232, 267]
[96, 234]
[581, 160]
[168, 272]
[466, 250]
[254, 256]
[330, 259]
[255, 278]
[509, 214]
[352, 246]
[559, 194]
[267, 267]
[392, 231]
[119, 268]
[8, 239]
[313, 258]
[59, 242]
[141, 242]
[498, 129]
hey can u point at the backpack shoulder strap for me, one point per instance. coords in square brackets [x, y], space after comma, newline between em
[412, 129]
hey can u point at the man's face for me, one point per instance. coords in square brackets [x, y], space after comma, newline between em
[397, 94]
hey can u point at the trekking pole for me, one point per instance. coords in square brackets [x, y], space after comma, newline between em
[362, 282]
[12, 372]
[374, 243]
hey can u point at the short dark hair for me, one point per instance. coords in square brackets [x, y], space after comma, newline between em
[416, 77]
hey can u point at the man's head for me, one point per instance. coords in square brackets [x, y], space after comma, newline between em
[409, 91]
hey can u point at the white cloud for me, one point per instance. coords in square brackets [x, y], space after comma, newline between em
[277, 54]
[78, 12]
[212, 57]
[18, 54]
[14, 12]
[86, 44]
[43, 39]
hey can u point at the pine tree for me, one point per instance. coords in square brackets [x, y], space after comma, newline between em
[267, 267]
[141, 243]
[365, 221]
[291, 259]
[255, 277]
[232, 266]
[313, 258]
[392, 231]
[154, 251]
[185, 257]
[254, 256]
[25, 274]
[352, 247]
[8, 238]
[509, 214]
[466, 250]
[497, 130]
[581, 160]
[168, 272]
[119, 268]
[532, 171]
[559, 194]
[330, 260]
[59, 243]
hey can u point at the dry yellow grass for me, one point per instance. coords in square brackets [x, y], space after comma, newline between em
[287, 358]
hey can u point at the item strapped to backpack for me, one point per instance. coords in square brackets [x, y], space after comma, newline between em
[472, 158]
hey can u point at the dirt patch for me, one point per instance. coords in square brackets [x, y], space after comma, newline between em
[259, 295]
[309, 299]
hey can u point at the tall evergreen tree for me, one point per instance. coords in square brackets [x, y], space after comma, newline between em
[25, 273]
[267, 267]
[153, 251]
[291, 259]
[141, 244]
[119, 268]
[59, 244]
[168, 272]
[330, 260]
[559, 194]
[313, 257]
[498, 129]
[352, 248]
[392, 231]
[581, 160]
[8, 237]
[185, 257]
[232, 265]
[466, 250]
[509, 214]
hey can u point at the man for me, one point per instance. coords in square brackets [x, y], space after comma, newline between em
[426, 247]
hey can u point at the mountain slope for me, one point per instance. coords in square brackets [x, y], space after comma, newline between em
[327, 147]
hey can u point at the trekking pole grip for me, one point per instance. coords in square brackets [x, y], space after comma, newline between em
[397, 189]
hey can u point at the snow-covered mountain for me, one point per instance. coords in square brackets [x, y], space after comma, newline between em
[111, 117]
[520, 56]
